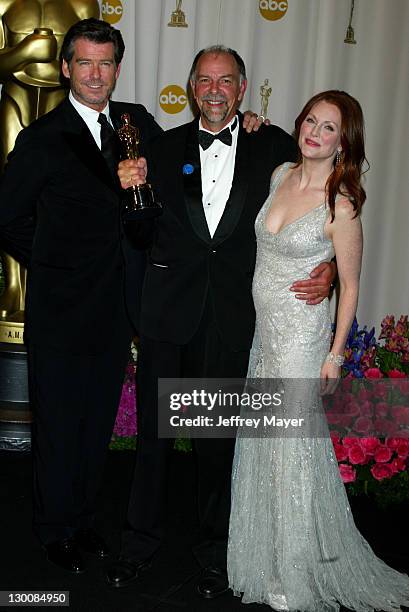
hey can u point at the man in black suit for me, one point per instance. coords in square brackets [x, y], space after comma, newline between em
[197, 313]
[60, 215]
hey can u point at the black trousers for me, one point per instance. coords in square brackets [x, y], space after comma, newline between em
[74, 399]
[203, 356]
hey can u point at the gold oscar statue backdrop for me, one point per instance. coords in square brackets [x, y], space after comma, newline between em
[31, 34]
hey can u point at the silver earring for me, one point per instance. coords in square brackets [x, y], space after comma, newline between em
[338, 157]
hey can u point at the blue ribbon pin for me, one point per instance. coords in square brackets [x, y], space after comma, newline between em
[188, 169]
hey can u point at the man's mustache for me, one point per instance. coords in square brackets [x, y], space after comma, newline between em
[208, 98]
[94, 83]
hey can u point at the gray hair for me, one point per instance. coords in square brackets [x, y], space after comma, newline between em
[216, 49]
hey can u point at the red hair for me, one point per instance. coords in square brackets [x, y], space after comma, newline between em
[345, 179]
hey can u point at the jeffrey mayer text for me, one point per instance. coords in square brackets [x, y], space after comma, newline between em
[234, 421]
[268, 421]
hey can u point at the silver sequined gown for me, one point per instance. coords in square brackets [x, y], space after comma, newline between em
[293, 543]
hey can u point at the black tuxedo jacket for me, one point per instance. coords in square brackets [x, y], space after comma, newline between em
[59, 214]
[186, 266]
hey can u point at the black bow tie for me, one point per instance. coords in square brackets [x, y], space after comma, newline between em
[206, 138]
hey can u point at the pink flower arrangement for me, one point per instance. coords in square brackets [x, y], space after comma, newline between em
[377, 408]
[396, 374]
[357, 455]
[381, 471]
[370, 445]
[392, 357]
[348, 473]
[125, 423]
[365, 357]
[393, 453]
[371, 413]
[382, 454]
[366, 463]
[373, 373]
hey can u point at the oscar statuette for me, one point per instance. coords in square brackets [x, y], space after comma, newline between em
[178, 17]
[138, 201]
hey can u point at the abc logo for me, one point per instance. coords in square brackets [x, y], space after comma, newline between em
[173, 99]
[112, 10]
[273, 9]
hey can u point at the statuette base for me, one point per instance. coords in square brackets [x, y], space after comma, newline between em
[12, 332]
[139, 203]
[177, 20]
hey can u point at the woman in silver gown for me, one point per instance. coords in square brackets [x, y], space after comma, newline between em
[293, 543]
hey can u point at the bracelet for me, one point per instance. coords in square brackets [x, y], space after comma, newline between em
[337, 359]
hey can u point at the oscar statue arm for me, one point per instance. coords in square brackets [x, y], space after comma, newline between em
[35, 47]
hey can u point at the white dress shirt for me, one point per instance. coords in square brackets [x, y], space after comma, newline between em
[90, 116]
[217, 163]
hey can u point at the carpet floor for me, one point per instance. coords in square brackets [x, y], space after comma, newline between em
[170, 585]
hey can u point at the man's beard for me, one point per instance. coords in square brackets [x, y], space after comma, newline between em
[92, 99]
[214, 116]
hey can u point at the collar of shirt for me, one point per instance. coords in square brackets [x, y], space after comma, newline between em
[90, 116]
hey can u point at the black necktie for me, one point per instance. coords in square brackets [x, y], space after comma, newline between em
[109, 144]
[206, 139]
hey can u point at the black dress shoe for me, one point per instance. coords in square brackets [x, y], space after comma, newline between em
[125, 570]
[91, 542]
[213, 583]
[65, 554]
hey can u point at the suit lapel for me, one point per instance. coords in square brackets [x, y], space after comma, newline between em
[192, 183]
[82, 144]
[238, 191]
